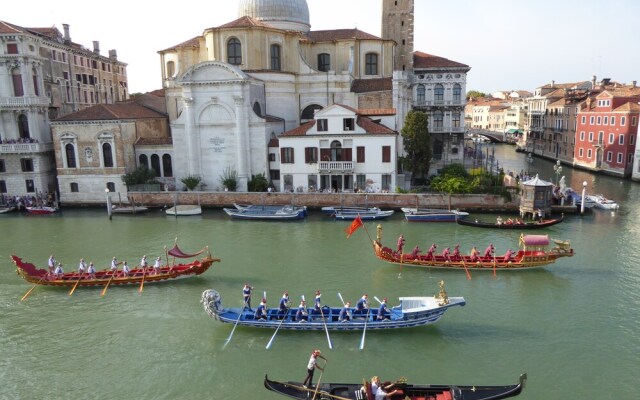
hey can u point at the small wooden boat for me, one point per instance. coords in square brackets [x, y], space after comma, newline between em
[267, 213]
[128, 209]
[167, 272]
[42, 210]
[511, 225]
[358, 391]
[331, 210]
[412, 311]
[432, 215]
[534, 252]
[185, 209]
[5, 210]
[370, 215]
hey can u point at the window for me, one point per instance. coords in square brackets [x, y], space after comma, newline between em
[360, 154]
[438, 120]
[73, 186]
[107, 155]
[371, 64]
[457, 93]
[155, 164]
[274, 174]
[70, 153]
[591, 136]
[272, 156]
[589, 152]
[386, 182]
[335, 151]
[609, 156]
[600, 137]
[438, 94]
[612, 138]
[581, 153]
[3, 187]
[167, 167]
[144, 160]
[111, 186]
[599, 120]
[632, 140]
[455, 119]
[30, 186]
[323, 125]
[324, 62]
[605, 121]
[16, 76]
[621, 139]
[12, 48]
[234, 52]
[613, 120]
[619, 158]
[310, 155]
[582, 136]
[36, 88]
[420, 94]
[386, 154]
[3, 168]
[286, 155]
[584, 119]
[361, 181]
[171, 69]
[26, 164]
[592, 120]
[275, 57]
[629, 158]
[634, 120]
[623, 121]
[348, 124]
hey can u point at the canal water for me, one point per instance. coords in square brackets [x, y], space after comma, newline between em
[573, 327]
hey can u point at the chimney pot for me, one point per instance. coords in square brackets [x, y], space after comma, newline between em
[67, 36]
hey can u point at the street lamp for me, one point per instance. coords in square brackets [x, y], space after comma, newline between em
[584, 190]
[558, 170]
[106, 190]
[529, 162]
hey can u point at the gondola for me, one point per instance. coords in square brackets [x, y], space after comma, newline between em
[359, 391]
[169, 271]
[412, 311]
[534, 252]
[506, 225]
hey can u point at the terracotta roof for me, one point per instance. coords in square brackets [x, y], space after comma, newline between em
[371, 85]
[301, 130]
[564, 85]
[157, 92]
[153, 141]
[50, 33]
[6, 27]
[623, 91]
[193, 43]
[371, 127]
[340, 34]
[106, 112]
[274, 142]
[424, 60]
[630, 106]
[244, 22]
[153, 101]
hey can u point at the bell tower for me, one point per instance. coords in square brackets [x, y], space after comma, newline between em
[397, 25]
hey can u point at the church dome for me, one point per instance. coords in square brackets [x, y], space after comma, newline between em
[283, 14]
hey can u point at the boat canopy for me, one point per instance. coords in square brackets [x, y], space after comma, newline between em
[536, 240]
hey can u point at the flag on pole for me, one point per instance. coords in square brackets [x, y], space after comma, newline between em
[357, 223]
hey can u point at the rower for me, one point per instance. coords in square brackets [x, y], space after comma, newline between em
[345, 313]
[157, 265]
[488, 253]
[431, 250]
[362, 306]
[284, 305]
[302, 314]
[125, 269]
[52, 264]
[383, 311]
[261, 311]
[114, 266]
[58, 271]
[92, 271]
[82, 266]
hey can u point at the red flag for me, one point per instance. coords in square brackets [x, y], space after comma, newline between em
[357, 223]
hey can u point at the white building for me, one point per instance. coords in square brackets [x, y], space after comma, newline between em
[341, 149]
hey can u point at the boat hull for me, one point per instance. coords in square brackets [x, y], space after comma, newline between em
[432, 310]
[527, 225]
[42, 277]
[184, 210]
[432, 215]
[267, 213]
[354, 391]
[365, 215]
[42, 210]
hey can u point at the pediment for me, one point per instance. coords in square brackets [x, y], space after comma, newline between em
[212, 71]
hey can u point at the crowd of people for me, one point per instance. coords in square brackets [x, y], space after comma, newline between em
[88, 271]
[21, 202]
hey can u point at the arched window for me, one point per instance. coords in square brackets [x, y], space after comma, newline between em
[23, 126]
[107, 155]
[336, 151]
[143, 160]
[70, 153]
[155, 164]
[420, 94]
[371, 64]
[18, 89]
[324, 62]
[310, 111]
[457, 93]
[275, 57]
[171, 69]
[36, 88]
[234, 52]
[166, 165]
[438, 119]
[438, 94]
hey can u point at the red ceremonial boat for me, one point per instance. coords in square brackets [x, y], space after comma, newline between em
[534, 252]
[106, 277]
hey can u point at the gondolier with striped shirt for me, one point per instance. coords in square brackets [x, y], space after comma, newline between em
[311, 366]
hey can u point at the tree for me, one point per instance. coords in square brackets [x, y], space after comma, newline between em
[474, 94]
[191, 181]
[139, 176]
[258, 183]
[417, 144]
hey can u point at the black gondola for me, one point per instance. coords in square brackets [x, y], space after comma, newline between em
[510, 225]
[358, 391]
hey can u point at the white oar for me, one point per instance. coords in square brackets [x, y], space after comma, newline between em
[326, 329]
[274, 333]
[235, 325]
[364, 331]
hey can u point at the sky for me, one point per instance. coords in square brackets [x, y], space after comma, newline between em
[509, 44]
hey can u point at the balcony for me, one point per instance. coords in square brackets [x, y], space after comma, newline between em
[25, 148]
[447, 129]
[24, 101]
[335, 166]
[433, 103]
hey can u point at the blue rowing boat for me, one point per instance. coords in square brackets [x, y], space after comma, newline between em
[412, 311]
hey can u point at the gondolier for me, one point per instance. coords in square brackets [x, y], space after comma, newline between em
[311, 366]
[52, 264]
[246, 294]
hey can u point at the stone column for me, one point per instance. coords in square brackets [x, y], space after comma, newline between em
[243, 150]
[191, 136]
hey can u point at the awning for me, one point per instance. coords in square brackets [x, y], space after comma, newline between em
[515, 131]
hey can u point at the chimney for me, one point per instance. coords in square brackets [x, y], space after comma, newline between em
[593, 81]
[96, 47]
[113, 55]
[633, 84]
[553, 84]
[67, 37]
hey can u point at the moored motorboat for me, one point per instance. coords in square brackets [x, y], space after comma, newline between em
[533, 252]
[168, 271]
[128, 209]
[184, 209]
[366, 215]
[42, 210]
[405, 390]
[432, 215]
[411, 312]
[267, 212]
[509, 224]
[603, 203]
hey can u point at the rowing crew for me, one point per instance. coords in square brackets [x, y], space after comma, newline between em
[56, 269]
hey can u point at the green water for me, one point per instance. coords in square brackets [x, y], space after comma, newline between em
[573, 326]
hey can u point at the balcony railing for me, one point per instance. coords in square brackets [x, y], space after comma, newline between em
[24, 101]
[430, 103]
[332, 166]
[453, 129]
[25, 148]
